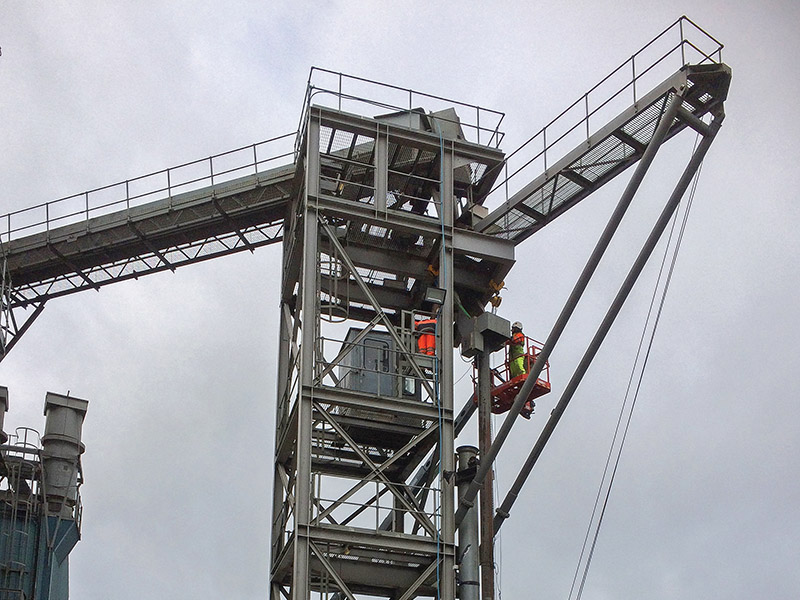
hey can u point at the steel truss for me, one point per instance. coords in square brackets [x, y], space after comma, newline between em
[356, 508]
[228, 217]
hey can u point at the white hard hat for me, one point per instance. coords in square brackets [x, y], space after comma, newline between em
[516, 325]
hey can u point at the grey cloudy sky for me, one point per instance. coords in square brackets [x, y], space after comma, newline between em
[180, 368]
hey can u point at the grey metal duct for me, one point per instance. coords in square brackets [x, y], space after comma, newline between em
[61, 450]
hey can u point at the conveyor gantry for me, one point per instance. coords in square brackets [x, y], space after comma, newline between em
[207, 209]
[608, 152]
[380, 212]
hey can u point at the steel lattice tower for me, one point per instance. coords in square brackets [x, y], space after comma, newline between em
[371, 240]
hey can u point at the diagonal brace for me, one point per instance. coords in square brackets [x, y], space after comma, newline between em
[378, 309]
[635, 270]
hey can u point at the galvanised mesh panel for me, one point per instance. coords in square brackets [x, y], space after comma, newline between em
[601, 158]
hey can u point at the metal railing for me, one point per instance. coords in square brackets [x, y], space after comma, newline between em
[341, 91]
[665, 54]
[23, 442]
[165, 183]
[369, 507]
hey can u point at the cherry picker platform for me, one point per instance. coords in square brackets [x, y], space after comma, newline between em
[506, 387]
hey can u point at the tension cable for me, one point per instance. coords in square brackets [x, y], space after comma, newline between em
[636, 392]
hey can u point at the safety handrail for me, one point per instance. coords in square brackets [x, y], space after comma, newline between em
[537, 147]
[487, 133]
[81, 207]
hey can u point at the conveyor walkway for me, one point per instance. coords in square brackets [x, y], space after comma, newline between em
[607, 153]
[62, 247]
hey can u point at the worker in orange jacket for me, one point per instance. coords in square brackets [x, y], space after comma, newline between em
[426, 343]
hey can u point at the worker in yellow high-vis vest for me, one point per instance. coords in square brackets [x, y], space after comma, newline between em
[516, 351]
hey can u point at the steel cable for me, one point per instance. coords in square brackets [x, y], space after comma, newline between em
[636, 392]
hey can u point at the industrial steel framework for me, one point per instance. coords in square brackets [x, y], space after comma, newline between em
[372, 239]
[395, 207]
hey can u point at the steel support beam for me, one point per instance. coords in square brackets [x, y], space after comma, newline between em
[308, 303]
[641, 260]
[486, 499]
[580, 286]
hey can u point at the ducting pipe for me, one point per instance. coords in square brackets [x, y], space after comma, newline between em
[61, 450]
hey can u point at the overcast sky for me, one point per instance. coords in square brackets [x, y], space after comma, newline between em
[180, 368]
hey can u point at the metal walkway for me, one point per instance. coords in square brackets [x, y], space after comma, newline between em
[608, 152]
[237, 200]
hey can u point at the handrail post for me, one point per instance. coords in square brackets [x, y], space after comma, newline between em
[633, 71]
[255, 160]
[683, 50]
[586, 107]
[544, 147]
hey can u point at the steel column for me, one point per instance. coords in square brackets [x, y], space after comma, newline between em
[486, 499]
[309, 301]
[444, 351]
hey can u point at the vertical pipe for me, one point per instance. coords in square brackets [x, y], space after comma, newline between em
[469, 586]
[611, 314]
[580, 286]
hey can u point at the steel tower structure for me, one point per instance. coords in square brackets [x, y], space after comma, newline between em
[373, 241]
[383, 206]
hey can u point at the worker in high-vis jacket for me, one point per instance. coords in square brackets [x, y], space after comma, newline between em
[426, 343]
[517, 363]
[516, 351]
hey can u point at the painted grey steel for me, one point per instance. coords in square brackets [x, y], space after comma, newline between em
[469, 584]
[225, 218]
[569, 307]
[61, 450]
[486, 499]
[354, 203]
[445, 392]
[647, 249]
[78, 248]
[156, 229]
[616, 146]
[334, 425]
[371, 364]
